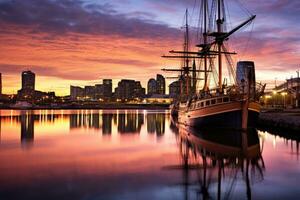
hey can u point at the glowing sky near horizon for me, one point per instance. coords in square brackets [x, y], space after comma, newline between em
[72, 42]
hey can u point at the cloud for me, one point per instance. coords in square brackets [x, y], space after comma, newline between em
[85, 39]
[63, 16]
[48, 71]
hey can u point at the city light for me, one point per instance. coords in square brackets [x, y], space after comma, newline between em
[283, 93]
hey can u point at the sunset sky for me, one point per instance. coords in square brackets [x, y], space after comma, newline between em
[79, 42]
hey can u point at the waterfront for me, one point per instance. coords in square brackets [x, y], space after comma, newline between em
[130, 154]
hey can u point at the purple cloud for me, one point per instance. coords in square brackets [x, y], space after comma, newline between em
[63, 16]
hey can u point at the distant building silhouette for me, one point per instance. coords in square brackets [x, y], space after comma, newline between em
[161, 84]
[76, 92]
[129, 89]
[152, 86]
[28, 92]
[139, 91]
[89, 92]
[28, 80]
[157, 86]
[174, 89]
[96, 92]
[99, 91]
[107, 88]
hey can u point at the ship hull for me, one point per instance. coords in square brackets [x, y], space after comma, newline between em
[174, 111]
[227, 115]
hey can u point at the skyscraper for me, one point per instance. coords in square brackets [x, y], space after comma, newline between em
[125, 89]
[107, 88]
[152, 86]
[161, 84]
[28, 80]
[129, 89]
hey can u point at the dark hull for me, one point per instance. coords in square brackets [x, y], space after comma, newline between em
[174, 112]
[231, 119]
[223, 115]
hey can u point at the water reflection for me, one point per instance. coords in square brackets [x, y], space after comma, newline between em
[95, 154]
[124, 121]
[27, 128]
[130, 122]
[156, 123]
[220, 160]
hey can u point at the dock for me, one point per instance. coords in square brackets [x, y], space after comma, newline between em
[288, 119]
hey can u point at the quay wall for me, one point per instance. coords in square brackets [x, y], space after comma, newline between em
[287, 120]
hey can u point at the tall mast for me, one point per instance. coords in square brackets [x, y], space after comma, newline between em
[194, 77]
[186, 50]
[205, 6]
[219, 27]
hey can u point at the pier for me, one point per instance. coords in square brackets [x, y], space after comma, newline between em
[287, 119]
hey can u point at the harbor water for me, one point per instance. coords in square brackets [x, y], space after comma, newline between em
[138, 154]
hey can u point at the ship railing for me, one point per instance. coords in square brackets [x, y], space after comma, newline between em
[209, 101]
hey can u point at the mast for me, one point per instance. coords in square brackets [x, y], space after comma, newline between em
[186, 55]
[211, 48]
[194, 70]
[205, 43]
[219, 30]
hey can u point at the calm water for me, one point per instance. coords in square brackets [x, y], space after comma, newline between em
[138, 155]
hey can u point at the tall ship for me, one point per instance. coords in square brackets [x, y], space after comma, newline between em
[229, 95]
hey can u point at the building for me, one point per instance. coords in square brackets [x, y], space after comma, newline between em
[89, 92]
[157, 86]
[76, 93]
[27, 92]
[152, 86]
[161, 84]
[125, 90]
[139, 91]
[99, 91]
[174, 89]
[128, 90]
[28, 80]
[285, 95]
[107, 88]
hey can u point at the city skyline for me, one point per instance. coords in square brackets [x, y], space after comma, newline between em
[104, 86]
[94, 40]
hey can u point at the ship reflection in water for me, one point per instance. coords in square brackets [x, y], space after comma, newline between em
[130, 154]
[220, 161]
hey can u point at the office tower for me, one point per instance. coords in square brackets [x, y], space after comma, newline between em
[28, 80]
[107, 88]
[161, 84]
[125, 89]
[152, 86]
